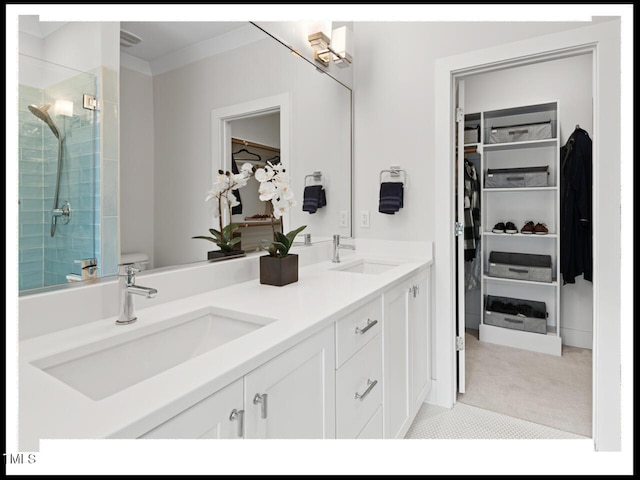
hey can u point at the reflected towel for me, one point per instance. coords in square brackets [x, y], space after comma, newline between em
[314, 198]
[391, 197]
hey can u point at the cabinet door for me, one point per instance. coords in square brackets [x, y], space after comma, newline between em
[293, 395]
[209, 418]
[395, 330]
[419, 335]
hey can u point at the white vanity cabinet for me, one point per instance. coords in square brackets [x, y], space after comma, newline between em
[406, 353]
[359, 372]
[218, 416]
[290, 396]
[420, 338]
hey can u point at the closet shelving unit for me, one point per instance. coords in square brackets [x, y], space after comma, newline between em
[519, 205]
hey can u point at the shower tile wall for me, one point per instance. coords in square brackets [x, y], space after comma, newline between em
[31, 198]
[46, 260]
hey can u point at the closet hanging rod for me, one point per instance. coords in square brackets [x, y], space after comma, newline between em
[394, 172]
[247, 143]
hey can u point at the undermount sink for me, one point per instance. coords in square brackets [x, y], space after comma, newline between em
[103, 368]
[368, 266]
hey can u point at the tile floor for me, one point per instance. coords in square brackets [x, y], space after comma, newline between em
[468, 422]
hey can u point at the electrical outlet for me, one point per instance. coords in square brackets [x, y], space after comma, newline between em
[364, 218]
[344, 218]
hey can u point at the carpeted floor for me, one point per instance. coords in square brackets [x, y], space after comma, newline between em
[544, 389]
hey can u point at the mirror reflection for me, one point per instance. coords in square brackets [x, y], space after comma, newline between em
[173, 77]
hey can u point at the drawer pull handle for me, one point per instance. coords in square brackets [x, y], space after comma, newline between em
[261, 399]
[368, 390]
[518, 270]
[370, 324]
[238, 415]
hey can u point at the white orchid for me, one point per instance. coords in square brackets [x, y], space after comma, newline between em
[222, 191]
[274, 187]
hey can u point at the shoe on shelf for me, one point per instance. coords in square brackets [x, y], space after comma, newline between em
[510, 228]
[541, 229]
[498, 228]
[528, 228]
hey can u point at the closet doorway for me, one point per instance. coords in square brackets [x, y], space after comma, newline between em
[524, 338]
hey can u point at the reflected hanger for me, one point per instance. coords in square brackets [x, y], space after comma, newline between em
[247, 151]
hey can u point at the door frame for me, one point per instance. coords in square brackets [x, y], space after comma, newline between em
[221, 132]
[604, 40]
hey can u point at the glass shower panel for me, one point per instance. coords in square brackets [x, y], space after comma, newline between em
[59, 160]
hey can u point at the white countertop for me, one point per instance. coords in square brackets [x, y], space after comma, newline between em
[50, 408]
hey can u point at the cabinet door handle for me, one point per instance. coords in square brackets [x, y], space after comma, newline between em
[369, 326]
[261, 399]
[238, 415]
[367, 391]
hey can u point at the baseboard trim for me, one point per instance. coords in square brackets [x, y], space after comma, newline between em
[577, 338]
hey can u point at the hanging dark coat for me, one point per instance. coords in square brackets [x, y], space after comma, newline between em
[576, 244]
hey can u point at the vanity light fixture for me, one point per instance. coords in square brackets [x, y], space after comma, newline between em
[336, 48]
[63, 107]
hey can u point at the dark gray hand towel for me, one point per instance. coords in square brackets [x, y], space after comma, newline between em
[391, 197]
[314, 198]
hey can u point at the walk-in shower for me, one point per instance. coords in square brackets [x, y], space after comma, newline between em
[64, 212]
[58, 165]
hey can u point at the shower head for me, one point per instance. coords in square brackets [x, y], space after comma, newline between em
[42, 114]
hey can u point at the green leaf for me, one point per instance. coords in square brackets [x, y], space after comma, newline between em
[280, 237]
[229, 229]
[279, 247]
[216, 234]
[291, 235]
[207, 238]
[234, 241]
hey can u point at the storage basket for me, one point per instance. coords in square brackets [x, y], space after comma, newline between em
[520, 266]
[517, 177]
[516, 313]
[521, 133]
[472, 134]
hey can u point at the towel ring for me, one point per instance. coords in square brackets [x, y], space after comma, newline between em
[317, 176]
[394, 172]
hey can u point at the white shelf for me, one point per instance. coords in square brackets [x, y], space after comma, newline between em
[516, 145]
[542, 204]
[520, 189]
[551, 343]
[520, 235]
[519, 282]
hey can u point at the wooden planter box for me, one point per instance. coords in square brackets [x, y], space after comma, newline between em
[278, 271]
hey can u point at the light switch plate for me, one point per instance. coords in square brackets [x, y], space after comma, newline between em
[344, 218]
[364, 218]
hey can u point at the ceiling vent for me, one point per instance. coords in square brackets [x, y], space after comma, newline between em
[128, 39]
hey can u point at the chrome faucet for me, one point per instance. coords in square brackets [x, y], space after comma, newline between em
[336, 248]
[128, 288]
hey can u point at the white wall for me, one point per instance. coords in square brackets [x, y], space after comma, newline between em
[184, 101]
[136, 163]
[568, 81]
[393, 109]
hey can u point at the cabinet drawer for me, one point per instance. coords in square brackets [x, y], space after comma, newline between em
[356, 329]
[373, 429]
[359, 389]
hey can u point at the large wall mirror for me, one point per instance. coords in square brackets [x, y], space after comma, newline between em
[174, 77]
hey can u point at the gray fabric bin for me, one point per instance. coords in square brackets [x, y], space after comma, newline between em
[472, 134]
[520, 266]
[520, 133]
[517, 177]
[527, 315]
